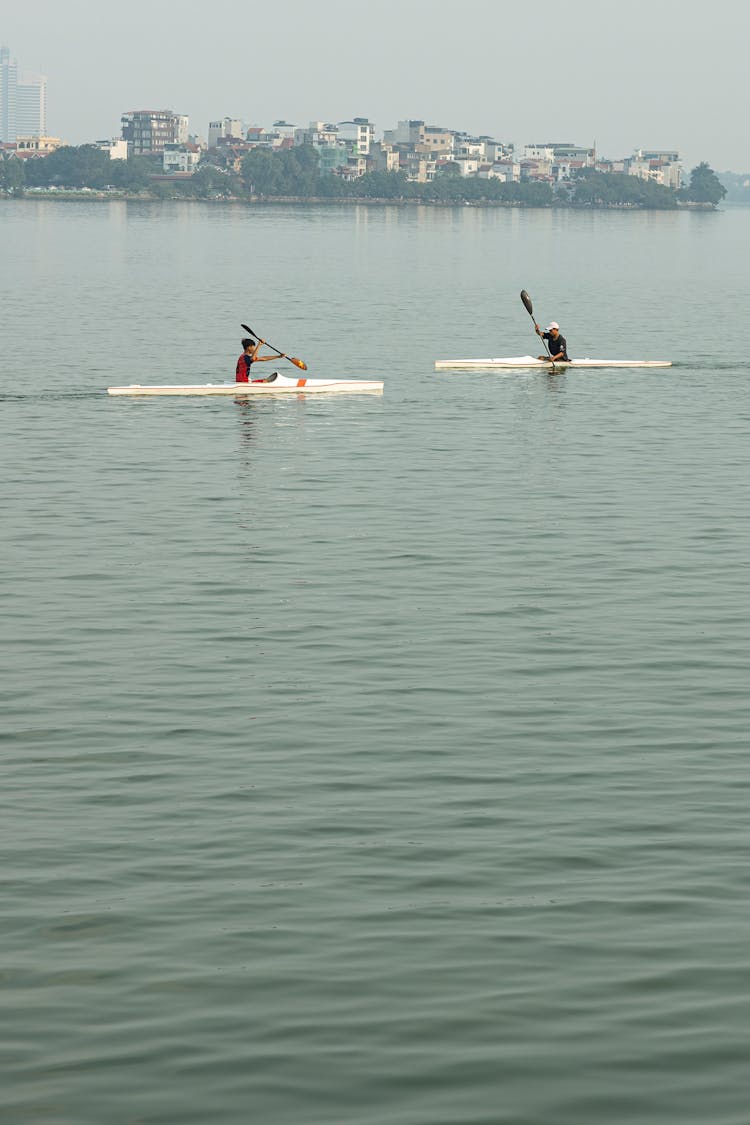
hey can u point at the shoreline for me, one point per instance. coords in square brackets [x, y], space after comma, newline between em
[91, 195]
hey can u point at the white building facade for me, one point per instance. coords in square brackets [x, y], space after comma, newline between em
[23, 101]
[117, 148]
[180, 159]
[31, 105]
[358, 132]
[8, 96]
[225, 128]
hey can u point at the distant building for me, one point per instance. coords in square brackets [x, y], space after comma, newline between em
[31, 105]
[229, 128]
[663, 155]
[507, 171]
[284, 130]
[424, 149]
[536, 170]
[320, 134]
[467, 165]
[384, 157]
[37, 146]
[180, 159]
[560, 151]
[539, 152]
[420, 167]
[473, 147]
[323, 136]
[355, 167]
[438, 140]
[497, 150]
[117, 148]
[409, 132]
[148, 131]
[260, 137]
[8, 96]
[23, 101]
[428, 138]
[358, 132]
[660, 165]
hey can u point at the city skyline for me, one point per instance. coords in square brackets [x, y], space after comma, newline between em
[617, 79]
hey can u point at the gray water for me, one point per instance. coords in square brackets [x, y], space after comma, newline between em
[374, 759]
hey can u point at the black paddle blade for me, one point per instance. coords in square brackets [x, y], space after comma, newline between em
[248, 330]
[526, 304]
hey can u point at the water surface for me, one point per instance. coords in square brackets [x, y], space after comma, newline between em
[375, 758]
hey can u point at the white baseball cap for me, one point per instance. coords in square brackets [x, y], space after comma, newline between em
[554, 324]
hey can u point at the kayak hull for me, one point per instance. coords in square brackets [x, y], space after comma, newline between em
[280, 386]
[530, 361]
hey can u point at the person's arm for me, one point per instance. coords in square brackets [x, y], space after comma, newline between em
[545, 336]
[263, 358]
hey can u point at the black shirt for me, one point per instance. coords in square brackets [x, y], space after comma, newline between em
[558, 345]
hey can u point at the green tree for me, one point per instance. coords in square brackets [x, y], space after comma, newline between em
[208, 181]
[288, 172]
[705, 186]
[71, 167]
[381, 185]
[301, 167]
[261, 172]
[12, 176]
[130, 175]
[613, 189]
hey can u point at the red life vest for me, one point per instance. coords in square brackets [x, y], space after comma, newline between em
[242, 372]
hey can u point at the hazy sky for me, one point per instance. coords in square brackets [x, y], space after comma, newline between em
[637, 73]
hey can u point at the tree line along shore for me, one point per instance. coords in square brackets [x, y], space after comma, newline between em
[293, 175]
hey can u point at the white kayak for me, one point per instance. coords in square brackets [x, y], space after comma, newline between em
[524, 361]
[280, 385]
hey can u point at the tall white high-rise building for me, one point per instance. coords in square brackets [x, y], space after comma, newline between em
[23, 101]
[31, 106]
[8, 95]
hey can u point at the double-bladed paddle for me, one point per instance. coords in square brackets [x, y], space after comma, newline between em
[292, 358]
[530, 310]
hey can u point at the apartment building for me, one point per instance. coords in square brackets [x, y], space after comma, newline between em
[148, 131]
[228, 128]
[180, 159]
[660, 165]
[359, 132]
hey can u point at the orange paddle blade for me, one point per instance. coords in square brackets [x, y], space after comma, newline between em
[297, 362]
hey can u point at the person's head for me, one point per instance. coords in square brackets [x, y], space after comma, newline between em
[554, 327]
[247, 343]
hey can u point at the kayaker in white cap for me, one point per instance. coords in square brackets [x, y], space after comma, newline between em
[558, 345]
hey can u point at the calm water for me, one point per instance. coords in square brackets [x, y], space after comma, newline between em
[374, 759]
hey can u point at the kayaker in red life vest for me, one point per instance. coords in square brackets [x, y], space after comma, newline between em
[249, 357]
[558, 345]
